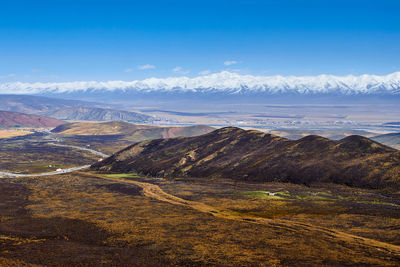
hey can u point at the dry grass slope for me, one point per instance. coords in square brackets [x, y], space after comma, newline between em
[11, 133]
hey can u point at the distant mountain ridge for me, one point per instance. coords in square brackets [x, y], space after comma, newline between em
[16, 119]
[68, 109]
[99, 114]
[255, 156]
[225, 82]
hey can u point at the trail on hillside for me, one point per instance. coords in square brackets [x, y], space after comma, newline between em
[154, 191]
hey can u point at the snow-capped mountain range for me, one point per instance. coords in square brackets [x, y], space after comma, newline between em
[224, 82]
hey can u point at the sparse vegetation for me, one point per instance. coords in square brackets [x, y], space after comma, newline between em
[112, 222]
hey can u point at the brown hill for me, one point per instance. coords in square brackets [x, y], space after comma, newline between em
[252, 155]
[16, 119]
[133, 132]
[95, 128]
[110, 137]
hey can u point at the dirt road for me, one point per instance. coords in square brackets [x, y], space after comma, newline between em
[154, 191]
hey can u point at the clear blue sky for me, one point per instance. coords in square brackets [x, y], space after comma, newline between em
[108, 40]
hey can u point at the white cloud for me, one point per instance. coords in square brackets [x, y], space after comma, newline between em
[146, 67]
[180, 70]
[128, 70]
[230, 62]
[204, 72]
[7, 76]
[225, 81]
[177, 69]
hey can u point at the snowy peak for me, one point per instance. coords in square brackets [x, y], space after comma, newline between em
[225, 82]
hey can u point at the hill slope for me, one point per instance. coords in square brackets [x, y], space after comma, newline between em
[392, 139]
[130, 131]
[103, 128]
[110, 137]
[16, 119]
[252, 155]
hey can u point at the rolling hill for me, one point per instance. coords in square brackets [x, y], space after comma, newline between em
[111, 137]
[255, 156]
[16, 119]
[129, 131]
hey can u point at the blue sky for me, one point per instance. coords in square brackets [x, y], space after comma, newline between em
[125, 40]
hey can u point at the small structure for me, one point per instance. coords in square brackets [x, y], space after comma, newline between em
[59, 169]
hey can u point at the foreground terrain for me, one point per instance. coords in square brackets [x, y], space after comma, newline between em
[89, 219]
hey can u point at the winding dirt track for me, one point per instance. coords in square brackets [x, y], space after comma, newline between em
[154, 191]
[14, 175]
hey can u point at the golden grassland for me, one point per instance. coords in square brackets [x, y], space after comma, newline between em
[13, 133]
[94, 128]
[89, 219]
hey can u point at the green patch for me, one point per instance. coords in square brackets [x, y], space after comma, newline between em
[285, 195]
[316, 197]
[263, 194]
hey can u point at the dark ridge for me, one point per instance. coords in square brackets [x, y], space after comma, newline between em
[313, 138]
[255, 156]
[61, 128]
[228, 130]
[355, 139]
[360, 143]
